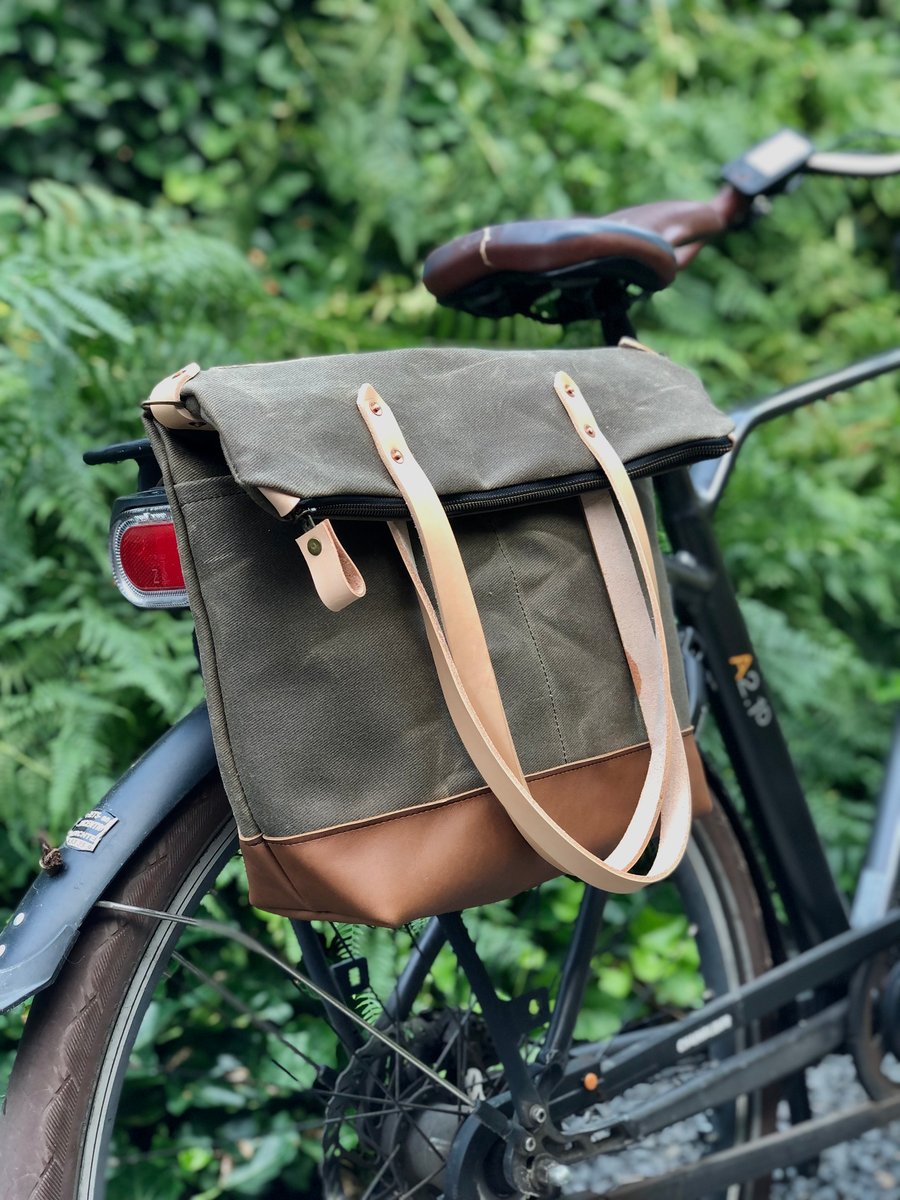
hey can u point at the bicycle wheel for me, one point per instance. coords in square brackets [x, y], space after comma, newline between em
[150, 1069]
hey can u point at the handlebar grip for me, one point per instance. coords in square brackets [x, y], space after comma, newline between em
[853, 162]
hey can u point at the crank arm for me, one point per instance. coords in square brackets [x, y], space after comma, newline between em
[741, 1163]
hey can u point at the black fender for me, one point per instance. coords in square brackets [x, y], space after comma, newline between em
[37, 939]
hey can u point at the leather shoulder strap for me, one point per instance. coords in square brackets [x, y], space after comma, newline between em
[666, 793]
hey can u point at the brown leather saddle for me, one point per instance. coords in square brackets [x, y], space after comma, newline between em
[580, 267]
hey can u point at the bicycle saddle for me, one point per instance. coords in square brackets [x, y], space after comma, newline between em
[568, 269]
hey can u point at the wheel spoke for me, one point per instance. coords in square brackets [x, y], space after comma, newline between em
[260, 1023]
[251, 943]
[382, 1171]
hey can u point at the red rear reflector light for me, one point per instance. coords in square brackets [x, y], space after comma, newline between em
[149, 557]
[145, 562]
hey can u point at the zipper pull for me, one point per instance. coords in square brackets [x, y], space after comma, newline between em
[334, 573]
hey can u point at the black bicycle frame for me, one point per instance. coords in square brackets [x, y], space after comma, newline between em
[743, 709]
[776, 807]
[830, 947]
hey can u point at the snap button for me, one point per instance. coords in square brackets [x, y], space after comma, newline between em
[314, 546]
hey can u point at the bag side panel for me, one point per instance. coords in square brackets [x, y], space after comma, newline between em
[324, 718]
[198, 463]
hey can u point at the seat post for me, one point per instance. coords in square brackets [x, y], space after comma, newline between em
[616, 324]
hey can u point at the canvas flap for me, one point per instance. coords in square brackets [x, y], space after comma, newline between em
[476, 420]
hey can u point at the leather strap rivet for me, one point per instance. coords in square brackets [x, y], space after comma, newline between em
[590, 431]
[314, 546]
[396, 456]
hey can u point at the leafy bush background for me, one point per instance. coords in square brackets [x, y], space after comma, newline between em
[258, 180]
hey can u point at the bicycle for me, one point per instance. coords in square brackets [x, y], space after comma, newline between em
[411, 1071]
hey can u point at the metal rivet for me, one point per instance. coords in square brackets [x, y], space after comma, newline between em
[314, 546]
[591, 1082]
[376, 408]
[18, 918]
[396, 456]
[590, 431]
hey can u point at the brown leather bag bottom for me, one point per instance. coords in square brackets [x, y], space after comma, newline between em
[451, 855]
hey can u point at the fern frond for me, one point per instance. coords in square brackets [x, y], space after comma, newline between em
[101, 317]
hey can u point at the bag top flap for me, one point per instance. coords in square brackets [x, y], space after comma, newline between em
[476, 420]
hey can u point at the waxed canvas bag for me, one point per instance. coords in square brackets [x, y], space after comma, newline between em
[433, 624]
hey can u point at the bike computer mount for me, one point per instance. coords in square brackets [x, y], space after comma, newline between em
[768, 166]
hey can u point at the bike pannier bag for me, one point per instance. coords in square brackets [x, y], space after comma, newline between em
[433, 623]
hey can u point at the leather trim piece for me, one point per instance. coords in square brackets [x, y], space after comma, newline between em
[364, 822]
[164, 402]
[452, 855]
[665, 795]
[466, 674]
[672, 802]
[282, 502]
[459, 614]
[335, 575]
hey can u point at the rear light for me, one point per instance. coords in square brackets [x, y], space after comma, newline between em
[144, 554]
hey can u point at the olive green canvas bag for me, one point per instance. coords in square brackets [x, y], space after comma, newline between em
[433, 624]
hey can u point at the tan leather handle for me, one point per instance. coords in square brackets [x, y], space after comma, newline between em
[665, 792]
[545, 835]
[459, 616]
[668, 783]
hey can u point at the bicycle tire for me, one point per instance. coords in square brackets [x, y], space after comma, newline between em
[56, 1119]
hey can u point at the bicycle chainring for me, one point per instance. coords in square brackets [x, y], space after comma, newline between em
[875, 1025]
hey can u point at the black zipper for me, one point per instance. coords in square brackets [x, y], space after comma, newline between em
[387, 508]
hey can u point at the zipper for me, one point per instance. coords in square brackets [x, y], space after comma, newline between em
[388, 508]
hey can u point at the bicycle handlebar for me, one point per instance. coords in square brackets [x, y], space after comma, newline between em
[732, 203]
[853, 163]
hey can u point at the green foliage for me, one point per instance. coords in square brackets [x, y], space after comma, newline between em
[254, 180]
[94, 303]
[348, 138]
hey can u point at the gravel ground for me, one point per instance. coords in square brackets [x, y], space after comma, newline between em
[865, 1169]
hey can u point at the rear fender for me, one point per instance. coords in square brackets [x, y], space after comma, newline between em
[37, 939]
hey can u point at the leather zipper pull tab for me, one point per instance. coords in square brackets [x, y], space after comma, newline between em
[334, 573]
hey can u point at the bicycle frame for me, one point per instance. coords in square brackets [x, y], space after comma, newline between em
[705, 600]
[776, 806]
[832, 943]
